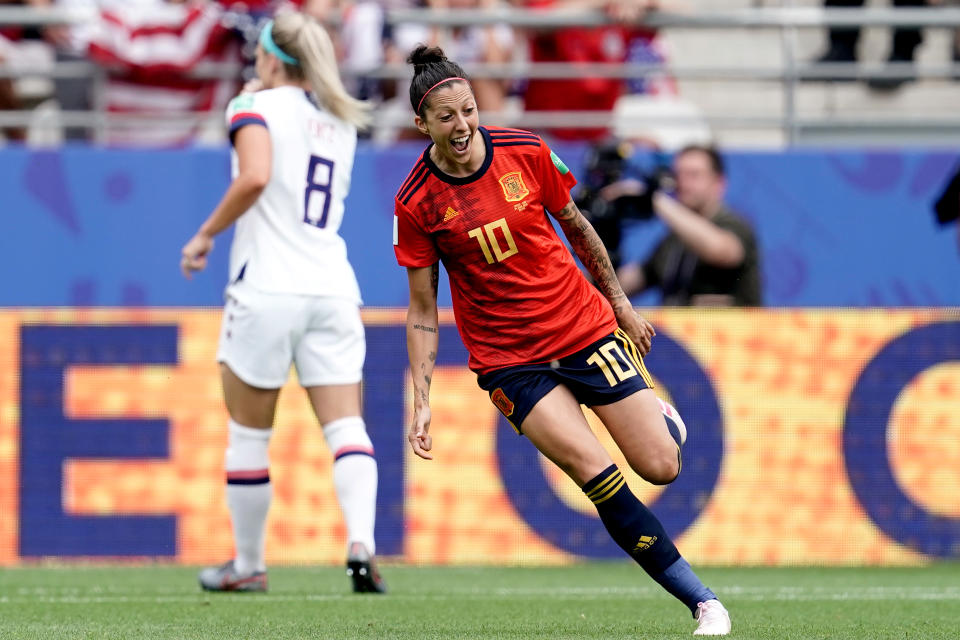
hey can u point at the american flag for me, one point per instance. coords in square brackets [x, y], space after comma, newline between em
[148, 52]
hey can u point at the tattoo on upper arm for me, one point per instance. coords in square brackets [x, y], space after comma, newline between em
[568, 213]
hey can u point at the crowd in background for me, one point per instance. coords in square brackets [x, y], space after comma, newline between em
[150, 54]
[149, 47]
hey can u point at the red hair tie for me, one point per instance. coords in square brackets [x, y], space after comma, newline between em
[434, 87]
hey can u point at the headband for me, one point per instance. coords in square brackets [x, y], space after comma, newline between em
[266, 41]
[434, 87]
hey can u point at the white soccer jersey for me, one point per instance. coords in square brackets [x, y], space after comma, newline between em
[288, 241]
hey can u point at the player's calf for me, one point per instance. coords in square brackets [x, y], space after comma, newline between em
[638, 532]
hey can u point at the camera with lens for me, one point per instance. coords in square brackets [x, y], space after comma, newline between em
[608, 194]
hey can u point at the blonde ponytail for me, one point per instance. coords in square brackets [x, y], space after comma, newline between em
[307, 41]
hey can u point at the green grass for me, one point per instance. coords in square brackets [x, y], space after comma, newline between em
[597, 600]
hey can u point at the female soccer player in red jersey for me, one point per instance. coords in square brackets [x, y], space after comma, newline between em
[542, 340]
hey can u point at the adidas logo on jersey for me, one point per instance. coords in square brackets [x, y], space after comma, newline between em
[450, 214]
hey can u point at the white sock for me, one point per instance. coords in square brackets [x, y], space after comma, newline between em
[248, 493]
[354, 476]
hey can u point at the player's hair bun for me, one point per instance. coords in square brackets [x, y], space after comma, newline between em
[430, 67]
[422, 56]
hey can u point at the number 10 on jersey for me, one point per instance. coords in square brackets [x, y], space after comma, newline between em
[316, 199]
[490, 229]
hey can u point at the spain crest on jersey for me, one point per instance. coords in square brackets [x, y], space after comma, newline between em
[513, 188]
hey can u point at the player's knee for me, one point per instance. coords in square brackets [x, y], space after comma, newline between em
[658, 469]
[347, 434]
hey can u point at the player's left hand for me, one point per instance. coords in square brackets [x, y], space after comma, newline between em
[194, 254]
[638, 328]
[419, 435]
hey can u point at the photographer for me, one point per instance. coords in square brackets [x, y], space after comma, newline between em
[709, 257]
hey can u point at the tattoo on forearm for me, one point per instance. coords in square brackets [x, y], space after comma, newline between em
[589, 248]
[433, 356]
[423, 327]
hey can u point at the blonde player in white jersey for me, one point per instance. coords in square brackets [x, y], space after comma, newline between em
[292, 297]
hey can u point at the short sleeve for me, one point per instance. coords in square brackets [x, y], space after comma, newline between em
[412, 245]
[739, 228]
[555, 180]
[242, 111]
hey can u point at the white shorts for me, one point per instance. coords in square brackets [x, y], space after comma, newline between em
[263, 333]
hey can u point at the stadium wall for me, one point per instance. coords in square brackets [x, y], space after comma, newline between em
[819, 435]
[105, 227]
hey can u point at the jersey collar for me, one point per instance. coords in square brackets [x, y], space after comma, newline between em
[473, 177]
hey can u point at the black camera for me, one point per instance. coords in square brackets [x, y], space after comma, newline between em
[608, 194]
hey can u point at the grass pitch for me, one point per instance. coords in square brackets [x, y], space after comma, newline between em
[596, 600]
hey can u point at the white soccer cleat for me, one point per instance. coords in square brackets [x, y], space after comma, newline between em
[226, 578]
[713, 619]
[669, 411]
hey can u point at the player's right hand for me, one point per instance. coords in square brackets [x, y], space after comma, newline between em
[194, 254]
[640, 330]
[419, 436]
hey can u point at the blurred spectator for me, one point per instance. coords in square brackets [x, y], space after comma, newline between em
[8, 96]
[471, 45]
[360, 46]
[651, 111]
[607, 44]
[491, 44]
[19, 45]
[843, 43]
[709, 257]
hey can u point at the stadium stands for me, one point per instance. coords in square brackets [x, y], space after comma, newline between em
[735, 68]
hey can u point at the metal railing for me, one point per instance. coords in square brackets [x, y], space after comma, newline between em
[788, 71]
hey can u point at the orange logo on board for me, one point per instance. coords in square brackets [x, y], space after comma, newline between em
[502, 402]
[513, 188]
[451, 213]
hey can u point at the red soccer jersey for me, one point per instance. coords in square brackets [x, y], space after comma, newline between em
[518, 295]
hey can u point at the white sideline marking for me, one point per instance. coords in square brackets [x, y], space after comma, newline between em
[97, 595]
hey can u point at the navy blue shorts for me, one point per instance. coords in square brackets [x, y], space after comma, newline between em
[604, 372]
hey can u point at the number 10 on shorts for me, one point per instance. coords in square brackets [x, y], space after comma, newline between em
[610, 358]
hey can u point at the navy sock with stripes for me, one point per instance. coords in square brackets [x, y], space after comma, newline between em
[638, 532]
